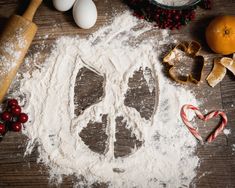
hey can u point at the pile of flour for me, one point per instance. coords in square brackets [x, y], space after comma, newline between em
[167, 157]
[175, 2]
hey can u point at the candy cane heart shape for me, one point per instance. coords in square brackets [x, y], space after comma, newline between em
[220, 128]
[207, 117]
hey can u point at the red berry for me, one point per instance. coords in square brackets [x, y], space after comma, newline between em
[2, 129]
[12, 102]
[15, 110]
[16, 127]
[6, 116]
[23, 118]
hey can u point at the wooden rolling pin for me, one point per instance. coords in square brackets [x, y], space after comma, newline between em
[14, 44]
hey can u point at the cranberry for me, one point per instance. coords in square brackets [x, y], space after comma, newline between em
[6, 116]
[12, 102]
[16, 127]
[2, 129]
[16, 110]
[23, 118]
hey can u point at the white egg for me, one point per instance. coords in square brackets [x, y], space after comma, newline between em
[63, 5]
[85, 13]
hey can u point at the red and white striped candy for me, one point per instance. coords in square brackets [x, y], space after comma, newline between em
[207, 117]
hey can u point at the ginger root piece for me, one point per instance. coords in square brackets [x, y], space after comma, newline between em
[228, 63]
[217, 74]
[220, 68]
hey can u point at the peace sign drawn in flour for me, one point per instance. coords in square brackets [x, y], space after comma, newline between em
[112, 128]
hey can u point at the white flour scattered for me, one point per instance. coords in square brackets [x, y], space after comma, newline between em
[233, 147]
[175, 2]
[227, 132]
[167, 156]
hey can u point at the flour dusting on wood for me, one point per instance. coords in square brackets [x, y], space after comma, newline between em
[166, 157]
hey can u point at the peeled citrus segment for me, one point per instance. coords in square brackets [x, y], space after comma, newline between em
[217, 74]
[228, 63]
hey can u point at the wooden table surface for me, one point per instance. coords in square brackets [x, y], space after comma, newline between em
[217, 168]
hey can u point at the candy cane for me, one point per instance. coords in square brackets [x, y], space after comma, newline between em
[220, 128]
[194, 131]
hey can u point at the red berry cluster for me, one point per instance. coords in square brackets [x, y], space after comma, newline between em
[165, 18]
[173, 19]
[12, 118]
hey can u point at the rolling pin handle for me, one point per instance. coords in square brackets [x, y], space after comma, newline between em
[33, 6]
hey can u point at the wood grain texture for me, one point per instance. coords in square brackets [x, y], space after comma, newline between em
[18, 33]
[217, 168]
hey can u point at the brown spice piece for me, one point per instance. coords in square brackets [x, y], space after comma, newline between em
[219, 70]
[217, 74]
[228, 63]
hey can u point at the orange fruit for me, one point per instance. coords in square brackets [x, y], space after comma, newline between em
[220, 35]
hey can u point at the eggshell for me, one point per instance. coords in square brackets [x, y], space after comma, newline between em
[63, 5]
[85, 13]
